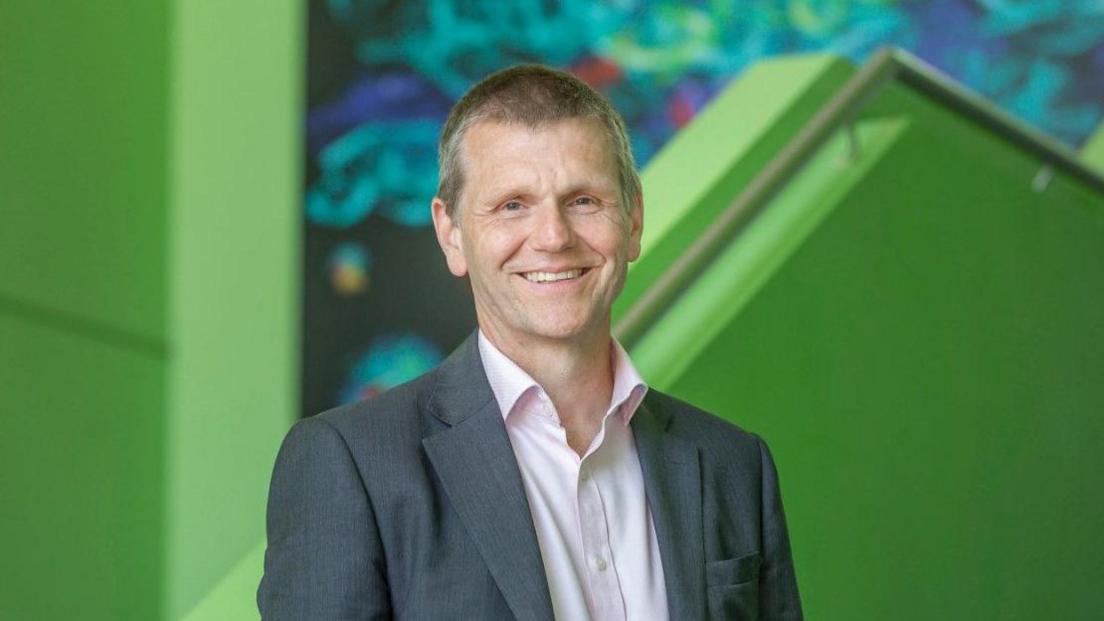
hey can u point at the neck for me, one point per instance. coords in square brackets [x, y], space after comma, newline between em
[575, 373]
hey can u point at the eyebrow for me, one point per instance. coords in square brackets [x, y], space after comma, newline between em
[591, 188]
[499, 196]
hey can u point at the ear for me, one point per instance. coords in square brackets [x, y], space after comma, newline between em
[449, 237]
[636, 222]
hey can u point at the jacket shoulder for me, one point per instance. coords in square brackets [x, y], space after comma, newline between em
[716, 437]
[393, 417]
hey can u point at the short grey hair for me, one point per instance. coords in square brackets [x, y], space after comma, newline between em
[531, 96]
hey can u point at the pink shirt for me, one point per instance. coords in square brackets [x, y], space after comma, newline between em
[592, 520]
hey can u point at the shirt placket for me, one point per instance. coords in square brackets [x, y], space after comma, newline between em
[605, 588]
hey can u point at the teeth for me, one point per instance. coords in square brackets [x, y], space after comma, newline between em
[552, 276]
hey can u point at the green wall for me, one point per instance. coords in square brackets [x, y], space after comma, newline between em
[83, 123]
[81, 526]
[149, 181]
[83, 150]
[234, 271]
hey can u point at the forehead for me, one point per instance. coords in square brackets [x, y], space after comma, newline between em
[578, 148]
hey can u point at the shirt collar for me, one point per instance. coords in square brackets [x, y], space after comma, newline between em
[509, 381]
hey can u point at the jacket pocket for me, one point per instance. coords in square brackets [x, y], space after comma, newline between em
[733, 571]
[732, 588]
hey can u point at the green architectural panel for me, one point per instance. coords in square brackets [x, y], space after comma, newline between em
[916, 333]
[149, 300]
[1092, 153]
[696, 318]
[235, 596]
[234, 282]
[81, 468]
[696, 176]
[83, 163]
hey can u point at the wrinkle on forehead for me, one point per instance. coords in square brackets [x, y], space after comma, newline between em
[504, 160]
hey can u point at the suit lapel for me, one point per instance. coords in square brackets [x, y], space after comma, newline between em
[672, 482]
[479, 472]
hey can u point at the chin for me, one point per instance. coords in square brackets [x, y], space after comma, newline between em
[563, 328]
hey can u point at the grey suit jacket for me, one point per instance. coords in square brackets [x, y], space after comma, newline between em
[410, 505]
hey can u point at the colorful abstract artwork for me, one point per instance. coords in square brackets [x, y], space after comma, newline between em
[383, 73]
[389, 361]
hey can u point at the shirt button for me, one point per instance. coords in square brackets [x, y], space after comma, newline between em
[600, 563]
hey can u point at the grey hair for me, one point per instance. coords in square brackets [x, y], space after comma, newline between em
[531, 96]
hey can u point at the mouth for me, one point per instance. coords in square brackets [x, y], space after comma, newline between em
[544, 277]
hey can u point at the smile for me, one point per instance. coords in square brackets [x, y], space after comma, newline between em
[552, 276]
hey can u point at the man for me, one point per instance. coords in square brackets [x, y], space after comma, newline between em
[532, 475]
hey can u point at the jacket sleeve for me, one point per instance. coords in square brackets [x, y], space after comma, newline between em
[324, 558]
[778, 597]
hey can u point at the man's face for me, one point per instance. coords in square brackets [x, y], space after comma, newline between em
[541, 230]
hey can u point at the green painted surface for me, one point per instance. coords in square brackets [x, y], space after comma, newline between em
[82, 245]
[1092, 152]
[149, 299]
[925, 366]
[81, 471]
[697, 174]
[234, 309]
[82, 162]
[703, 312]
[235, 595]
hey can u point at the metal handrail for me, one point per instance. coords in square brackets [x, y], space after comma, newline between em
[886, 65]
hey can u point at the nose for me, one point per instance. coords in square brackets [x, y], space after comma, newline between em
[552, 231]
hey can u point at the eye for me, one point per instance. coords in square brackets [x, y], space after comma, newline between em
[511, 206]
[585, 203]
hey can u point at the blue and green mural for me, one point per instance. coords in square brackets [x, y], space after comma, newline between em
[383, 73]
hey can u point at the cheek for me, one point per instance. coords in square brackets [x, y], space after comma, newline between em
[493, 246]
[612, 240]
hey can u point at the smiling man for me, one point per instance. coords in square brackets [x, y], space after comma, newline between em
[533, 475]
